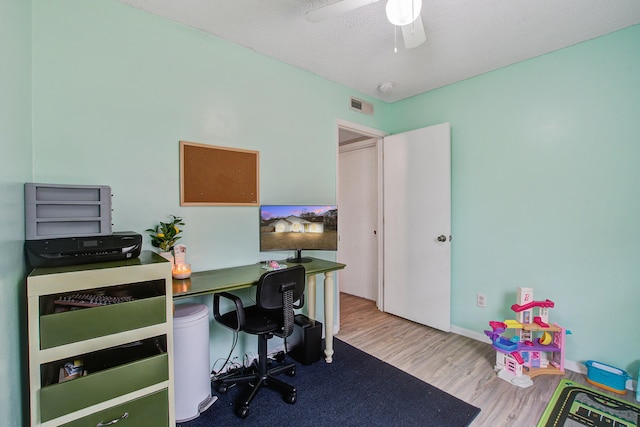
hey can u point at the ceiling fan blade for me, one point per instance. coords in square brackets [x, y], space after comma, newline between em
[335, 9]
[413, 34]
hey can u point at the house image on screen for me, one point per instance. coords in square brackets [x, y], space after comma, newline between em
[294, 224]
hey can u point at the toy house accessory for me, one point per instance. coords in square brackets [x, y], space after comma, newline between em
[528, 346]
[607, 377]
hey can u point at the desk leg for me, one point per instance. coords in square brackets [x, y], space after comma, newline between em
[311, 296]
[328, 315]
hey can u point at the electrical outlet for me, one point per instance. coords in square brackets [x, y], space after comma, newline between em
[482, 300]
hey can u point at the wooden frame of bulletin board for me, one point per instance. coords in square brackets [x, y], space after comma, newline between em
[211, 175]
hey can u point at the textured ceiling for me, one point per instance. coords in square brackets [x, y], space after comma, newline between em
[465, 38]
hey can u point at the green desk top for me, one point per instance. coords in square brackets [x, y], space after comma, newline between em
[227, 279]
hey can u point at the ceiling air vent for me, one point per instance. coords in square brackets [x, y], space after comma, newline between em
[361, 106]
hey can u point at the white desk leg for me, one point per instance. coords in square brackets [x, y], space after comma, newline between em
[328, 315]
[311, 296]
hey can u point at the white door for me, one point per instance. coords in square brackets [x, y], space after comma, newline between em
[358, 210]
[417, 225]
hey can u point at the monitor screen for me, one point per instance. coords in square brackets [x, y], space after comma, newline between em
[298, 227]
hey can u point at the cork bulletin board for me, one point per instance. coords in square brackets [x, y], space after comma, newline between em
[211, 175]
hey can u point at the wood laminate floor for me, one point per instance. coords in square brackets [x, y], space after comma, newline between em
[458, 365]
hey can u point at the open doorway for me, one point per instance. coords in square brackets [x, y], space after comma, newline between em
[417, 190]
[360, 210]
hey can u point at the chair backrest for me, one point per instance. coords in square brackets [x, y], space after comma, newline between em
[272, 285]
[278, 290]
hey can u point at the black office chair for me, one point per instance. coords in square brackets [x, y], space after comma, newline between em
[272, 315]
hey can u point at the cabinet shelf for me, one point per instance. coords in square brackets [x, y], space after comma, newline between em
[64, 219]
[147, 410]
[73, 326]
[67, 202]
[126, 348]
[99, 343]
[59, 399]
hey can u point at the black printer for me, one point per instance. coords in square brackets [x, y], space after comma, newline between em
[83, 250]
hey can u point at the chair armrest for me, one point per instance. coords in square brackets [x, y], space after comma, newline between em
[239, 310]
[299, 303]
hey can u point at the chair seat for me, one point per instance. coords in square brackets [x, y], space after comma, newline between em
[257, 321]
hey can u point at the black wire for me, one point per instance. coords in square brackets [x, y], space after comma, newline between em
[233, 346]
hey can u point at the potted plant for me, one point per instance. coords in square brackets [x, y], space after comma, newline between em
[165, 235]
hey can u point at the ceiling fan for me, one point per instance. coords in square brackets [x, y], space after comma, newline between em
[402, 13]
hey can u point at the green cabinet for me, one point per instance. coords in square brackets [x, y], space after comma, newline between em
[123, 351]
[150, 410]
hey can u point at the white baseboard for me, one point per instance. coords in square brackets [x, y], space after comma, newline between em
[470, 334]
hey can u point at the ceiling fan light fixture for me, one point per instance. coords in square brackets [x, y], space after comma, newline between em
[403, 12]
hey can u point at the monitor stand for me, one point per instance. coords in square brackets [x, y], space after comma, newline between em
[298, 258]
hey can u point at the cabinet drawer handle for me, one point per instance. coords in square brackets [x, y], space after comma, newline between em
[113, 421]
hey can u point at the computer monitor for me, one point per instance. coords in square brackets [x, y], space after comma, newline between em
[298, 228]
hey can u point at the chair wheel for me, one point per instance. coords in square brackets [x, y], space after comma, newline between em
[291, 398]
[243, 411]
[291, 372]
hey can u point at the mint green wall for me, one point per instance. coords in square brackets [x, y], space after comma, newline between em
[15, 169]
[546, 194]
[543, 155]
[116, 89]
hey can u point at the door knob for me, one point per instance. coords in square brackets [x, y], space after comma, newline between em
[442, 238]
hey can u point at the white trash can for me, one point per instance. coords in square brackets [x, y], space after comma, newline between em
[191, 361]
